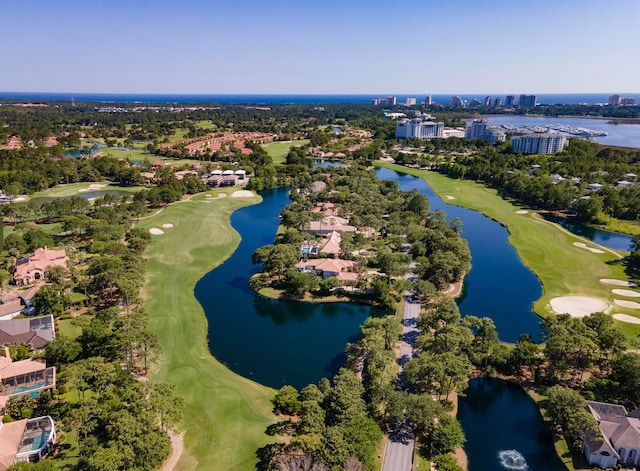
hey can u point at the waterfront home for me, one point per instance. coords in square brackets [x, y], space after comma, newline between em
[619, 439]
[328, 267]
[30, 270]
[330, 224]
[26, 440]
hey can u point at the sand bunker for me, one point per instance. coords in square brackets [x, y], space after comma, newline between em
[626, 292]
[625, 303]
[590, 249]
[242, 194]
[97, 186]
[577, 306]
[609, 281]
[522, 211]
[449, 197]
[168, 225]
[156, 231]
[626, 318]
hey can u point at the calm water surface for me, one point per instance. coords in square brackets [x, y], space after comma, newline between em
[625, 135]
[613, 240]
[498, 286]
[273, 342]
[513, 422]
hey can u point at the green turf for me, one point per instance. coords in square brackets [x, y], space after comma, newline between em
[226, 415]
[74, 189]
[544, 247]
[278, 150]
[67, 328]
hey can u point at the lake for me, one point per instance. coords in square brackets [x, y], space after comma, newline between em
[270, 341]
[504, 429]
[498, 286]
[624, 135]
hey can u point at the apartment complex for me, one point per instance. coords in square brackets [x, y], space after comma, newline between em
[480, 129]
[545, 143]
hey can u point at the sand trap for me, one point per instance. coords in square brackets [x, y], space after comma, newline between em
[626, 292]
[97, 186]
[522, 211]
[626, 318]
[449, 197]
[590, 249]
[156, 231]
[168, 225]
[82, 190]
[242, 194]
[577, 306]
[609, 281]
[625, 303]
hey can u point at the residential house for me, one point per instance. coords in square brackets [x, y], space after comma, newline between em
[328, 267]
[329, 224]
[26, 440]
[33, 331]
[619, 439]
[18, 378]
[30, 270]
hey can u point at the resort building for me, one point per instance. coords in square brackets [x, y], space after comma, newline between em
[510, 100]
[416, 128]
[390, 100]
[328, 267]
[619, 438]
[527, 101]
[26, 440]
[480, 129]
[30, 270]
[546, 143]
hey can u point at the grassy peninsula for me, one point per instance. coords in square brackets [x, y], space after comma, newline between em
[225, 415]
[545, 248]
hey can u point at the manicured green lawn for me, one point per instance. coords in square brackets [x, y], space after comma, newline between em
[545, 248]
[278, 150]
[74, 189]
[225, 415]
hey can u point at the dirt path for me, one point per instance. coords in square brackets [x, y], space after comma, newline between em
[177, 443]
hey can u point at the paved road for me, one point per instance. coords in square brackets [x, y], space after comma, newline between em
[398, 455]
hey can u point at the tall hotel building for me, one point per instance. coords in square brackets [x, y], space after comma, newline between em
[418, 129]
[510, 101]
[547, 143]
[527, 101]
[480, 129]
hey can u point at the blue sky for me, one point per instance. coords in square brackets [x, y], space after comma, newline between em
[325, 46]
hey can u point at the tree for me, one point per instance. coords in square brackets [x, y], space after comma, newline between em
[286, 401]
[446, 463]
[166, 403]
[566, 409]
[448, 434]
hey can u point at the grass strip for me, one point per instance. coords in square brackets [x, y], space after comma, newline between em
[544, 247]
[225, 415]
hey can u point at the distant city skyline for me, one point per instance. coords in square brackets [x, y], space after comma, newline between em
[458, 47]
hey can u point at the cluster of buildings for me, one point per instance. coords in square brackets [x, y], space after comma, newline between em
[426, 129]
[215, 142]
[617, 100]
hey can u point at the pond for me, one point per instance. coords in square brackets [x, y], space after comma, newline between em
[613, 240]
[518, 438]
[498, 286]
[270, 341]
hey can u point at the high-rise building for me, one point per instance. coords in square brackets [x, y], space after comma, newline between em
[456, 101]
[390, 100]
[428, 100]
[418, 129]
[410, 101]
[511, 100]
[487, 101]
[497, 102]
[480, 129]
[614, 100]
[527, 101]
[547, 143]
[627, 101]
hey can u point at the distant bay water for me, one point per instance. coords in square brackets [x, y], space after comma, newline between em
[259, 99]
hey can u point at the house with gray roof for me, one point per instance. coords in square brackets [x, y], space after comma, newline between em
[619, 438]
[32, 331]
